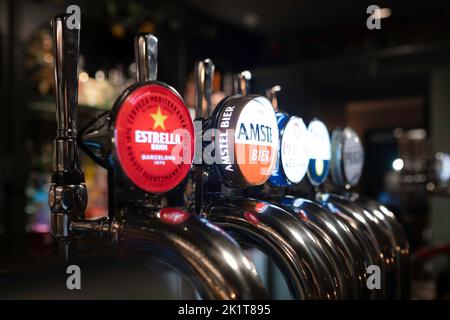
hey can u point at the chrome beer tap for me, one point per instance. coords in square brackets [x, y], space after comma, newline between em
[138, 221]
[68, 193]
[346, 167]
[338, 240]
[370, 238]
[293, 247]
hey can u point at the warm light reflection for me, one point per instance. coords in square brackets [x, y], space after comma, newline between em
[84, 77]
[382, 13]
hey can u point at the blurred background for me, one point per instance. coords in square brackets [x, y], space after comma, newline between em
[392, 85]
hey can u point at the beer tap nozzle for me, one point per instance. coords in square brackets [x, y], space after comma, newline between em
[67, 194]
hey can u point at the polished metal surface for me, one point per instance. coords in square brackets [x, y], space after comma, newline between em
[146, 55]
[398, 239]
[67, 194]
[67, 202]
[213, 262]
[337, 233]
[346, 168]
[204, 73]
[210, 259]
[298, 253]
[373, 231]
[66, 56]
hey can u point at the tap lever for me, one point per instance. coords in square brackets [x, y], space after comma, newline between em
[146, 55]
[204, 75]
[67, 194]
[66, 164]
[242, 82]
[271, 94]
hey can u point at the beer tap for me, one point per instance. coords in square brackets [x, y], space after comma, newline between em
[138, 220]
[346, 167]
[68, 193]
[371, 238]
[338, 239]
[293, 247]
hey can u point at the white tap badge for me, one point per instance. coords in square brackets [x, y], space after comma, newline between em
[320, 152]
[295, 149]
[352, 156]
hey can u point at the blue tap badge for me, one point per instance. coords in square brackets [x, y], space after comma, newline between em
[320, 152]
[277, 178]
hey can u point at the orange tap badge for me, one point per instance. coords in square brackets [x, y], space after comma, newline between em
[248, 136]
[154, 138]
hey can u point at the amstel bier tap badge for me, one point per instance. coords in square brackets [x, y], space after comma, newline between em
[154, 138]
[320, 152]
[247, 140]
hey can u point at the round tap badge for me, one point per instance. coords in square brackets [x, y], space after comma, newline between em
[319, 151]
[352, 156]
[247, 140]
[294, 152]
[154, 137]
[347, 157]
[442, 167]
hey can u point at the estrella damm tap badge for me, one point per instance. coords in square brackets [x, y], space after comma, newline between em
[319, 152]
[154, 138]
[248, 140]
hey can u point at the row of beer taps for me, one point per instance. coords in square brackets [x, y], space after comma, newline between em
[323, 241]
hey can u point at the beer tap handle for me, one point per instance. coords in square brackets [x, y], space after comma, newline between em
[272, 96]
[146, 55]
[67, 194]
[66, 55]
[204, 74]
[242, 82]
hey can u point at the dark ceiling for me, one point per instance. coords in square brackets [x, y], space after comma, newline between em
[314, 15]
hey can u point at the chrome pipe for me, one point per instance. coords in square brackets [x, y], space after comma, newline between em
[373, 231]
[399, 242]
[337, 232]
[213, 262]
[297, 252]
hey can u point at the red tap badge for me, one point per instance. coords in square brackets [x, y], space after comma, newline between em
[154, 138]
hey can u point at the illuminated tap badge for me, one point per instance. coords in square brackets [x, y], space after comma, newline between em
[254, 142]
[320, 152]
[154, 138]
[294, 153]
[352, 156]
